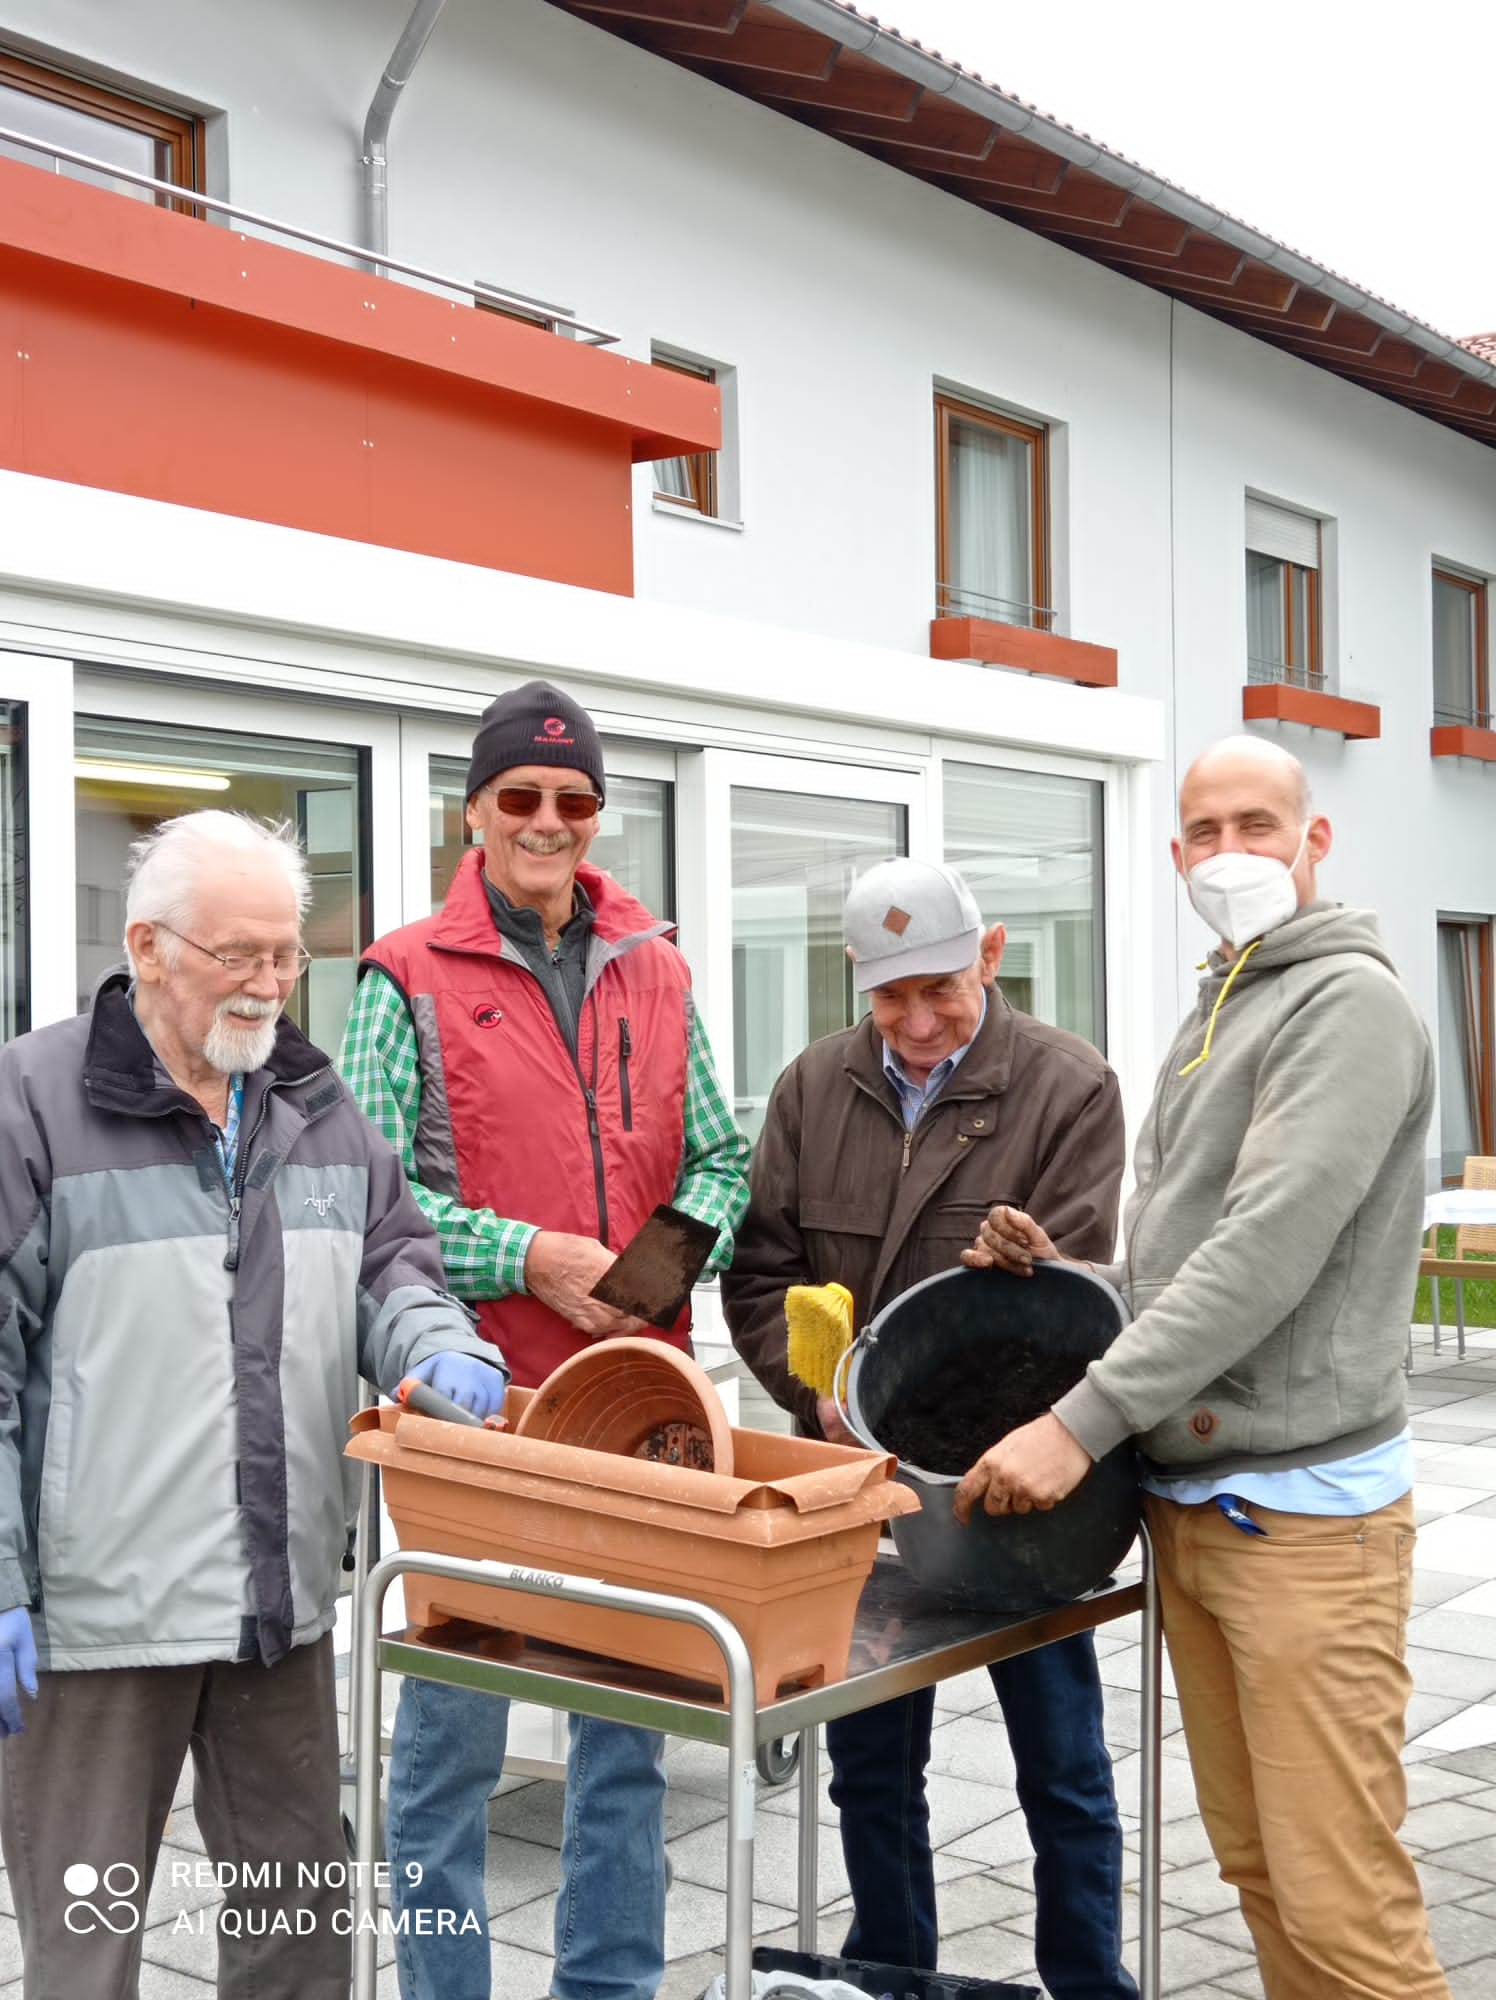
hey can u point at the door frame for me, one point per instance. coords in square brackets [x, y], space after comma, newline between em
[45, 686]
[704, 858]
[138, 698]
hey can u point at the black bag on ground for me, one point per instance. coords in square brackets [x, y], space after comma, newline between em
[899, 1981]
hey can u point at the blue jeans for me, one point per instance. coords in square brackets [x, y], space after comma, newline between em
[1051, 1703]
[446, 1757]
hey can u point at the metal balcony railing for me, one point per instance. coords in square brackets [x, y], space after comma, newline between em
[555, 319]
[1465, 716]
[956, 600]
[1316, 680]
[1278, 673]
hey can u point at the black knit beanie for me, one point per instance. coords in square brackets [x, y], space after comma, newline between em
[535, 724]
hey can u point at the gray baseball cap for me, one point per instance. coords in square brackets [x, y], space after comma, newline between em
[906, 918]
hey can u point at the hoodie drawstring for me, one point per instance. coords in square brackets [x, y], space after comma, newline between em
[1210, 1026]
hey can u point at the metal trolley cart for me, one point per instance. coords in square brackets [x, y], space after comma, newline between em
[902, 1640]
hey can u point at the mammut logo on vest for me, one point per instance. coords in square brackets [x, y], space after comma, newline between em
[321, 1202]
[488, 1017]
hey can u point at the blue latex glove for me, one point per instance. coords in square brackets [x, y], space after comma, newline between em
[476, 1385]
[17, 1663]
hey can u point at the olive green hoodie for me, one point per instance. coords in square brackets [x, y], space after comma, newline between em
[1273, 1236]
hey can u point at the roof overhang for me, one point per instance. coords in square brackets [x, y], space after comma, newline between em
[841, 73]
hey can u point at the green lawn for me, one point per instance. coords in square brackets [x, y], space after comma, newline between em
[1480, 1296]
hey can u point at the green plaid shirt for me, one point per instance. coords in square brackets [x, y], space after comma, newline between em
[485, 1253]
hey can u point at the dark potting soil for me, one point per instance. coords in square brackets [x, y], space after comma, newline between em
[946, 1422]
[678, 1443]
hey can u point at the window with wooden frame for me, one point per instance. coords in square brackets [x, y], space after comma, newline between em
[517, 306]
[58, 109]
[1462, 664]
[1284, 640]
[690, 483]
[1467, 1075]
[991, 516]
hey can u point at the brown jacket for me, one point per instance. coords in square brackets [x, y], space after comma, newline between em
[1032, 1116]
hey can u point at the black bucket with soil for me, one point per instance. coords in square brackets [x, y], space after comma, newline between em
[951, 1366]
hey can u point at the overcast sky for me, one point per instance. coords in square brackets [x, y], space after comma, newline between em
[1356, 133]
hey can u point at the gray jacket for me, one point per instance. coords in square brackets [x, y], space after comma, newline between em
[177, 1368]
[1272, 1239]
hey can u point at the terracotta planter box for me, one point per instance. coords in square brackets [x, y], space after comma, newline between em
[783, 1547]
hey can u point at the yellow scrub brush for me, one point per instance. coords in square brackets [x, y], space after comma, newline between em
[819, 1318]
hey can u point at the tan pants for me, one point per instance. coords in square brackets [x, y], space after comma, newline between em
[1288, 1654]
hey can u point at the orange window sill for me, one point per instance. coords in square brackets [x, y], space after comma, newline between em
[991, 644]
[1463, 740]
[1275, 702]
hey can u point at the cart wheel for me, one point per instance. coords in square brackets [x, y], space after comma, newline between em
[778, 1761]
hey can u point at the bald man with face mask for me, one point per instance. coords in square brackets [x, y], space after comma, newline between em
[1272, 1248]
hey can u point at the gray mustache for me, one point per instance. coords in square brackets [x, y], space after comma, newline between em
[257, 1010]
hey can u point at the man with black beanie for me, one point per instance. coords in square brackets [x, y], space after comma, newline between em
[533, 1054]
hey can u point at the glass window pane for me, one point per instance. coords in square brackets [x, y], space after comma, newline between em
[1030, 846]
[64, 125]
[1454, 652]
[1265, 616]
[131, 775]
[990, 531]
[449, 829]
[794, 857]
[672, 479]
[636, 844]
[1462, 1007]
[15, 997]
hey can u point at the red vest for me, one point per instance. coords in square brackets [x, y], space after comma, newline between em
[505, 1122]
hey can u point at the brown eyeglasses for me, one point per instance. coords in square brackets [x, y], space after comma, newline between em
[519, 801]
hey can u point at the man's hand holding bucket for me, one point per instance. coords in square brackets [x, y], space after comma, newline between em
[1036, 1466]
[1009, 1240]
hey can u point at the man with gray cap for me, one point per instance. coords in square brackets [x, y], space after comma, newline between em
[881, 1147]
[533, 1054]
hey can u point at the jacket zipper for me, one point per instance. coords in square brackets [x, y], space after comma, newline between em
[625, 1050]
[236, 1188]
[594, 1129]
[908, 1145]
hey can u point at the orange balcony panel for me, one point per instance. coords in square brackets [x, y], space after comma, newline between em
[1463, 740]
[150, 353]
[1275, 702]
[996, 645]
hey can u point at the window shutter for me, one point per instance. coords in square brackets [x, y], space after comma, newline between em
[1275, 531]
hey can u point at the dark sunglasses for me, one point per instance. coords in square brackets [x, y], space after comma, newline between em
[519, 801]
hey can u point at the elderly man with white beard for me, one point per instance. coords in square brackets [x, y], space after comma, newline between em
[203, 1244]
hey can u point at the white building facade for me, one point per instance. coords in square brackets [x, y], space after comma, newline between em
[929, 412]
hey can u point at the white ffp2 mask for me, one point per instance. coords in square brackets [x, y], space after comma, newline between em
[1244, 896]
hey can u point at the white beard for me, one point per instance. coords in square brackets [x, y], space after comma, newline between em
[232, 1049]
